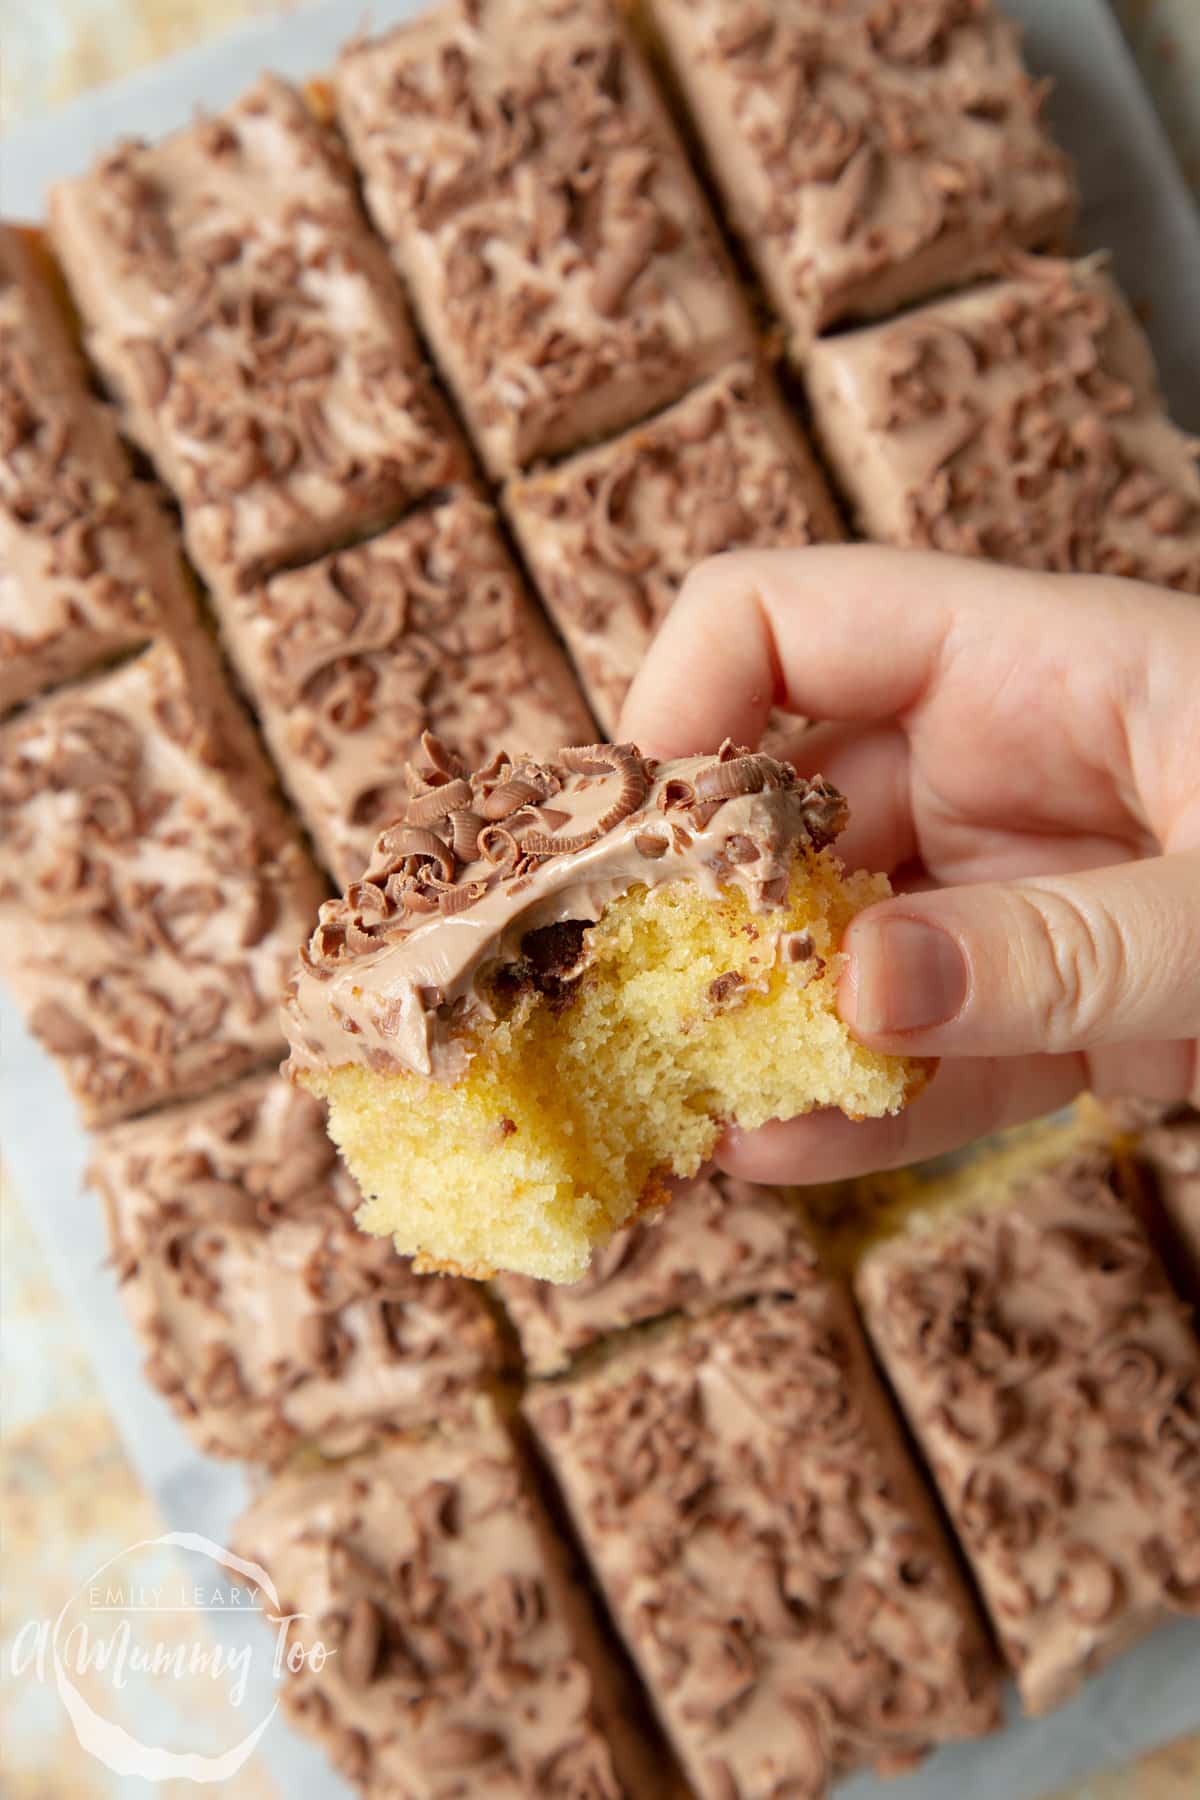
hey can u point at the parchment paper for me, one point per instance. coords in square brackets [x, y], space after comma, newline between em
[1135, 202]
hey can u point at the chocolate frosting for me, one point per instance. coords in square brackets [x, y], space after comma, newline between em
[352, 659]
[151, 890]
[610, 535]
[719, 1240]
[88, 565]
[269, 1320]
[765, 1546]
[254, 332]
[390, 977]
[1022, 423]
[559, 252]
[467, 1660]
[1172, 1150]
[1053, 1381]
[868, 154]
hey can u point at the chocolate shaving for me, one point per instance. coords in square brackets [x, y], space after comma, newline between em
[438, 803]
[413, 845]
[594, 759]
[730, 779]
[510, 796]
[465, 828]
[624, 263]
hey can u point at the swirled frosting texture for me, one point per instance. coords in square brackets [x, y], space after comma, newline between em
[867, 154]
[269, 1320]
[254, 333]
[468, 1662]
[352, 659]
[88, 565]
[561, 257]
[390, 977]
[1053, 1381]
[151, 890]
[610, 534]
[767, 1550]
[1022, 423]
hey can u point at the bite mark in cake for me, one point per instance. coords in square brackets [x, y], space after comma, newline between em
[523, 1016]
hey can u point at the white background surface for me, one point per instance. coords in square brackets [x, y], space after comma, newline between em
[1135, 202]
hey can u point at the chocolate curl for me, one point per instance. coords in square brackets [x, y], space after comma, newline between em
[465, 827]
[499, 847]
[438, 803]
[400, 843]
[624, 263]
[596, 759]
[729, 780]
[511, 796]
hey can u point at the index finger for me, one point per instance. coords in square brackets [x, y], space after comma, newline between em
[847, 632]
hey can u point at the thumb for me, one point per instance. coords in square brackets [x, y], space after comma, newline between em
[1060, 963]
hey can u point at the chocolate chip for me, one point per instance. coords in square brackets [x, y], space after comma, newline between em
[647, 844]
[725, 986]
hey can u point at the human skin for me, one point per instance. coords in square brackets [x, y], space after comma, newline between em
[1021, 753]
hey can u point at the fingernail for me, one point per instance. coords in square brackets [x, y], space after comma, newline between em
[906, 975]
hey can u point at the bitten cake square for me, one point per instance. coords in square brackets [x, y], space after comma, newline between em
[1021, 422]
[269, 1320]
[767, 1549]
[610, 535]
[1052, 1380]
[254, 333]
[560, 255]
[868, 155]
[557, 982]
[466, 1658]
[719, 1240]
[350, 660]
[152, 892]
[88, 564]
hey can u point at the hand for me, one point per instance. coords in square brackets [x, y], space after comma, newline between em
[1021, 753]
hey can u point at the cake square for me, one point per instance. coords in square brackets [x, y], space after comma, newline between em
[868, 155]
[88, 564]
[254, 333]
[1172, 1150]
[1051, 1378]
[560, 255]
[1021, 422]
[152, 893]
[269, 1320]
[767, 1549]
[719, 1240]
[468, 1659]
[351, 660]
[609, 535]
[557, 983]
